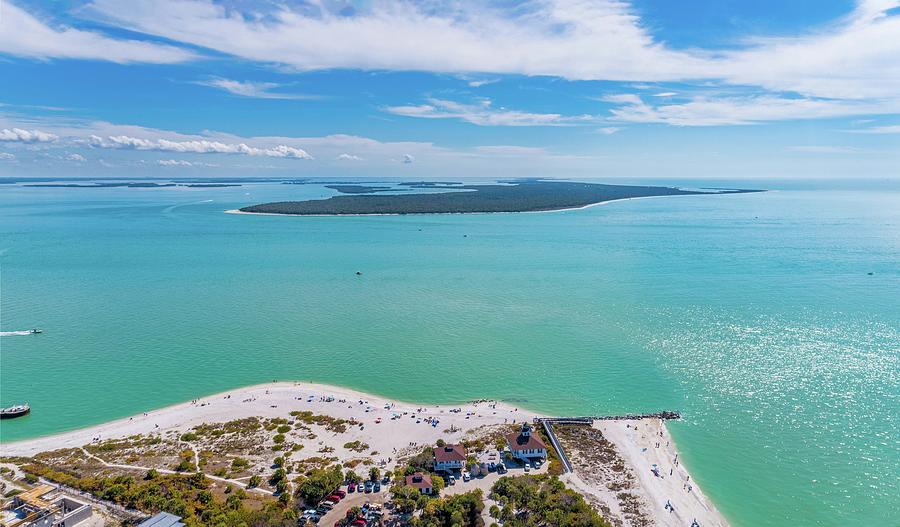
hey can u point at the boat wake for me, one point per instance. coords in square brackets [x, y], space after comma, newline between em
[15, 333]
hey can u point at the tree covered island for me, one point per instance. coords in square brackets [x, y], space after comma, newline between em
[516, 196]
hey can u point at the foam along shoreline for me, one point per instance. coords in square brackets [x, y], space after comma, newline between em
[384, 434]
[582, 207]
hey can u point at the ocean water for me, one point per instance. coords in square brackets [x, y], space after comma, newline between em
[754, 315]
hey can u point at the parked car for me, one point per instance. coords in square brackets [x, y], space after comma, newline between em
[351, 487]
[385, 480]
[527, 467]
[467, 476]
[376, 487]
[368, 487]
[501, 468]
[333, 498]
[451, 480]
[538, 463]
[340, 493]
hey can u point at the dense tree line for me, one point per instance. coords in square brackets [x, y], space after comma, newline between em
[462, 510]
[532, 501]
[525, 195]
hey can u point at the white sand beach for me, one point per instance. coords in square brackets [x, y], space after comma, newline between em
[407, 432]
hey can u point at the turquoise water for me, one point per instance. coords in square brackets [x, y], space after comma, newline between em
[752, 314]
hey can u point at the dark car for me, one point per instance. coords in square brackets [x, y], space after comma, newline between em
[501, 468]
[351, 487]
[376, 487]
[368, 487]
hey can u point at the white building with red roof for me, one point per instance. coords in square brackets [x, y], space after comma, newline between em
[448, 458]
[526, 445]
[420, 481]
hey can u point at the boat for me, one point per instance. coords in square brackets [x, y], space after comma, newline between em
[35, 331]
[15, 411]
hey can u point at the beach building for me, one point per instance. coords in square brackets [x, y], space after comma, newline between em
[420, 481]
[448, 458]
[44, 506]
[163, 519]
[526, 445]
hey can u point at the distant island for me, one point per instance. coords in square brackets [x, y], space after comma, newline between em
[533, 195]
[131, 185]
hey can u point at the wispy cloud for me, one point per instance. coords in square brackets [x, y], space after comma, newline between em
[483, 113]
[256, 90]
[889, 129]
[24, 35]
[512, 150]
[856, 57]
[6, 156]
[718, 111]
[825, 149]
[348, 157]
[608, 130]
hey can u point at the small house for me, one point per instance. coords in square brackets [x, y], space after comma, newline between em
[526, 445]
[420, 481]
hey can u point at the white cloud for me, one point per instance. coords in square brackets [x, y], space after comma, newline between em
[707, 111]
[7, 156]
[182, 163]
[484, 114]
[858, 56]
[26, 136]
[200, 146]
[348, 157]
[257, 90]
[23, 35]
[408, 159]
[608, 130]
[665, 94]
[78, 158]
[622, 98]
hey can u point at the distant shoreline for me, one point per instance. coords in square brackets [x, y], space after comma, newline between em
[633, 440]
[516, 196]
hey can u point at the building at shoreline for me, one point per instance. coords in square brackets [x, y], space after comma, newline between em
[449, 458]
[526, 445]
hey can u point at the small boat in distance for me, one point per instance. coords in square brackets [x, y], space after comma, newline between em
[15, 411]
[35, 331]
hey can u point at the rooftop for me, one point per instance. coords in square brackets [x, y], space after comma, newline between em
[419, 480]
[163, 519]
[449, 453]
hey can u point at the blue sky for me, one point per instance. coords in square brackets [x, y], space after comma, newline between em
[563, 88]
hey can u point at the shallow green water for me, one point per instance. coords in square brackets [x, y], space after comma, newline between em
[752, 314]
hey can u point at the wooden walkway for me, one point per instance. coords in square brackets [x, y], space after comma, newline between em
[548, 423]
